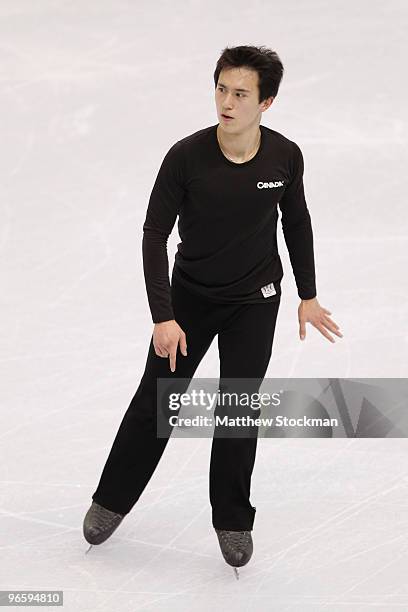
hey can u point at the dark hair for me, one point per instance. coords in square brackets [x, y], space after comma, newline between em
[265, 61]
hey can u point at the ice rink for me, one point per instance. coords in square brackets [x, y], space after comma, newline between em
[93, 94]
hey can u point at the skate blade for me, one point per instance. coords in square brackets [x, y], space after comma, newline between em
[90, 546]
[236, 573]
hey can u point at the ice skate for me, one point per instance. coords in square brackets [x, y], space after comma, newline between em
[236, 547]
[99, 524]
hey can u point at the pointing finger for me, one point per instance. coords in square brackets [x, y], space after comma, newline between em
[173, 352]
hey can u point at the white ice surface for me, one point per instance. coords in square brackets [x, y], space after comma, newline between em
[92, 94]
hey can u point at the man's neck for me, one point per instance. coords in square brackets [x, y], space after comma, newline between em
[239, 147]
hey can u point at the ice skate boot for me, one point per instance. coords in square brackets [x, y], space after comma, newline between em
[236, 547]
[99, 524]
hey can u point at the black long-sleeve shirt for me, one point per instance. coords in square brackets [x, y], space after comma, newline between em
[227, 222]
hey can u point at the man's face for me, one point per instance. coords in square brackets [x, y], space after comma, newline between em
[237, 95]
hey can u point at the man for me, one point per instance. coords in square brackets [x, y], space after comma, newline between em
[225, 183]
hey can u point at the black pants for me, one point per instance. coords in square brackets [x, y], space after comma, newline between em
[245, 337]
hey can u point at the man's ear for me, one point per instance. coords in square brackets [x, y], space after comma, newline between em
[267, 103]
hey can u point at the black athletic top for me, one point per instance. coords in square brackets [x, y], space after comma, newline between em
[227, 222]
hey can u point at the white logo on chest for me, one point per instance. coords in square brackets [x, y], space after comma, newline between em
[268, 290]
[270, 185]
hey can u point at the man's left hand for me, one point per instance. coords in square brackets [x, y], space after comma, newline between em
[310, 311]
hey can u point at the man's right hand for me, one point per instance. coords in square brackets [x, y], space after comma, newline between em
[166, 337]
